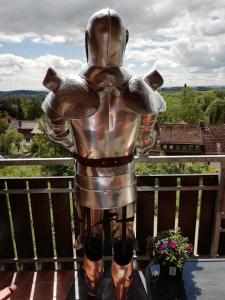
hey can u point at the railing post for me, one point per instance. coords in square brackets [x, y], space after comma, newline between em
[218, 211]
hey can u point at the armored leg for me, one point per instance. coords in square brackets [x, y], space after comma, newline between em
[123, 245]
[92, 241]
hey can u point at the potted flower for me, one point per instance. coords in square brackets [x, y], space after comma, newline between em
[171, 250]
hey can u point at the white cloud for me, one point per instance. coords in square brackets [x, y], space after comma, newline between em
[213, 27]
[183, 39]
[21, 73]
[13, 38]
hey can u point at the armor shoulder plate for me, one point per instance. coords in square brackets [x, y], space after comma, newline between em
[140, 97]
[74, 99]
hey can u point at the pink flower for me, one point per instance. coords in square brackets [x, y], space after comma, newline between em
[161, 247]
[190, 248]
[172, 245]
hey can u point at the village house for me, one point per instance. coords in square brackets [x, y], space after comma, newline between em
[27, 127]
[187, 139]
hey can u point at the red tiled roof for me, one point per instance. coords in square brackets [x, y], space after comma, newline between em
[214, 138]
[180, 134]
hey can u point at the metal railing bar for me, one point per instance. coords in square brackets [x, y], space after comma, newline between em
[218, 212]
[153, 175]
[44, 177]
[52, 221]
[176, 188]
[139, 188]
[37, 161]
[106, 258]
[180, 158]
[141, 159]
[37, 191]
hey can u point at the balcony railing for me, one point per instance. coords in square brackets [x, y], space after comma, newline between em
[38, 223]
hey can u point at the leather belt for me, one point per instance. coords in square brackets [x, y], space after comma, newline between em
[107, 162]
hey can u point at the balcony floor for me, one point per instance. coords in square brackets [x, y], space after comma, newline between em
[41, 285]
[202, 280]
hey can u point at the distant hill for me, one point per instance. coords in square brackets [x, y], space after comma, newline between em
[33, 94]
[22, 93]
[198, 88]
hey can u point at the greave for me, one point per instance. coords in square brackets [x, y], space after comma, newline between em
[93, 271]
[122, 267]
[93, 261]
[121, 276]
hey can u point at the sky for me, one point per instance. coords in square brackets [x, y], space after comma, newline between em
[183, 39]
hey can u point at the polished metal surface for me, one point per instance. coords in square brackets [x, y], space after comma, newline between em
[105, 77]
[130, 211]
[106, 188]
[122, 276]
[141, 98]
[95, 217]
[111, 131]
[108, 198]
[105, 39]
[60, 131]
[107, 182]
[93, 271]
[73, 99]
[116, 227]
[147, 134]
[154, 79]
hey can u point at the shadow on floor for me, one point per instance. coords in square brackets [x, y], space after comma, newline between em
[106, 289]
[181, 287]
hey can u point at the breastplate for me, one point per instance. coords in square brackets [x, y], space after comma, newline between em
[111, 131]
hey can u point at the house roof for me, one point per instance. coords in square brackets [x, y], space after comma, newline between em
[214, 138]
[180, 134]
[36, 129]
[23, 124]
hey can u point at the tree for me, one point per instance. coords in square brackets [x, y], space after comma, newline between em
[191, 109]
[28, 109]
[7, 139]
[42, 146]
[216, 112]
[205, 99]
[173, 110]
[220, 94]
[7, 107]
[4, 123]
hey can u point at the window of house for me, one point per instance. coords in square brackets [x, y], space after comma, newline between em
[184, 147]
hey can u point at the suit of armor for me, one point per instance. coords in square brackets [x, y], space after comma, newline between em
[101, 116]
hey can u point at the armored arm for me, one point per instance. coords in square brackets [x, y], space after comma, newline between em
[147, 132]
[68, 100]
[57, 128]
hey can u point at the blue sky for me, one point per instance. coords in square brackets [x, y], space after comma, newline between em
[184, 40]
